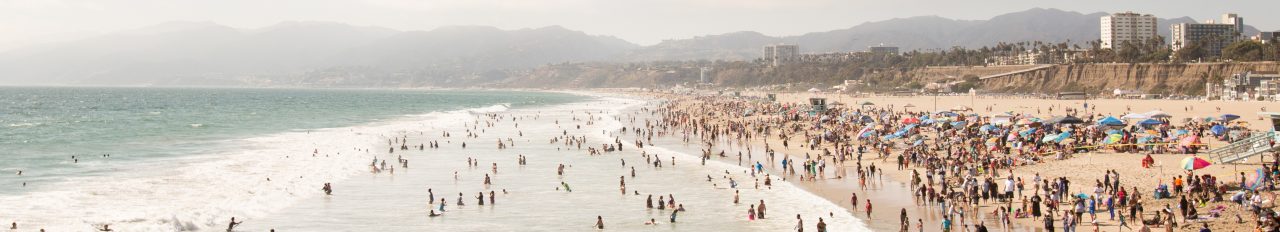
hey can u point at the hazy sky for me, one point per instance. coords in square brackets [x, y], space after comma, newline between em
[645, 22]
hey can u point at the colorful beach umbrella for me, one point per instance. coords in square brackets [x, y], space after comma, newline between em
[1193, 163]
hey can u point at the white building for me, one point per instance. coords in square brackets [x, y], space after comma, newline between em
[1127, 27]
[777, 53]
[1212, 35]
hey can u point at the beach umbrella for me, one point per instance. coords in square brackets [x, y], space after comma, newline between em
[1259, 177]
[1025, 121]
[1110, 121]
[1228, 117]
[1112, 139]
[1193, 163]
[814, 90]
[1157, 114]
[1150, 122]
[961, 108]
[1134, 116]
[1189, 141]
[908, 105]
[866, 103]
[910, 120]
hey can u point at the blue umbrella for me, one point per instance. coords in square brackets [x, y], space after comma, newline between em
[1110, 121]
[1228, 117]
[1150, 122]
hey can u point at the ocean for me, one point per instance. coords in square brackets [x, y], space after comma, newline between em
[189, 159]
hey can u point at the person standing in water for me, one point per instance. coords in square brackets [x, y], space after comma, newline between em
[799, 223]
[599, 222]
[760, 208]
[233, 224]
[480, 198]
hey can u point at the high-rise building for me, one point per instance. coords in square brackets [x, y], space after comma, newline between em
[1127, 27]
[777, 53]
[1212, 36]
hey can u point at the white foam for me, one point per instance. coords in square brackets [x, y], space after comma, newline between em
[202, 192]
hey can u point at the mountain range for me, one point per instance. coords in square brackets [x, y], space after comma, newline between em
[202, 53]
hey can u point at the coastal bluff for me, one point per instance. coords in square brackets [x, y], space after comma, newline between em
[1186, 79]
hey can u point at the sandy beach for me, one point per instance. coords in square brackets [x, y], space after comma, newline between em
[892, 193]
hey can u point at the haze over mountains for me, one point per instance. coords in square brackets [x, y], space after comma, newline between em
[295, 53]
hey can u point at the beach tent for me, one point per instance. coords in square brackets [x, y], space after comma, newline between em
[1134, 116]
[1218, 129]
[1157, 114]
[1110, 121]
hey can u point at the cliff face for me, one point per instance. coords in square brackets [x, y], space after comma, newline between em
[1094, 78]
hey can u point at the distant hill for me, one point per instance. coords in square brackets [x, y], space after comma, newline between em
[198, 53]
[913, 33]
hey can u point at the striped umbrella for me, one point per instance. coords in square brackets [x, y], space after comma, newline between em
[1193, 163]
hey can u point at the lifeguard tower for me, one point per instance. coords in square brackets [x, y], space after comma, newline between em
[1258, 144]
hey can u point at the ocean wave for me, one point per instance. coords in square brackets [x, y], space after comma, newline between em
[202, 192]
[25, 124]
